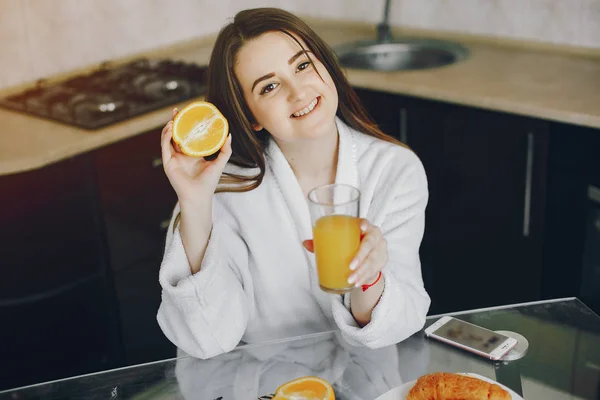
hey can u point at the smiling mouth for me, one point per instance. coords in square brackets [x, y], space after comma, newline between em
[308, 109]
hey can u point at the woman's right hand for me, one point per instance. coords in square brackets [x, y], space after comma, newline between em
[193, 178]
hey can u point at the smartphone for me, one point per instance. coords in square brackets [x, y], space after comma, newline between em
[469, 337]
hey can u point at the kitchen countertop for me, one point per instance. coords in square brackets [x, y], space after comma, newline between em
[551, 83]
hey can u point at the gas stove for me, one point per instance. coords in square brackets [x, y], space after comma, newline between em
[112, 93]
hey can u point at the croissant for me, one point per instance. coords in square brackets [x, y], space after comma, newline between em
[447, 386]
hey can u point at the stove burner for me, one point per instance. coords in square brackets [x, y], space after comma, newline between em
[100, 108]
[112, 93]
[157, 87]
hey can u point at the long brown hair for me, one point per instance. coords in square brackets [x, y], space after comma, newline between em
[225, 91]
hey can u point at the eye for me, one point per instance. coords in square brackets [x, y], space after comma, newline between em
[303, 65]
[268, 88]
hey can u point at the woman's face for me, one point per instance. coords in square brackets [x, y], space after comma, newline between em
[283, 90]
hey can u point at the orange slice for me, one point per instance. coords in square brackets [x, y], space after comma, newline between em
[305, 388]
[200, 129]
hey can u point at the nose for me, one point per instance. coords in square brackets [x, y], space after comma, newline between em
[296, 90]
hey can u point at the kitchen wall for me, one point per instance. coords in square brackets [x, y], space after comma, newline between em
[569, 22]
[40, 37]
[564, 22]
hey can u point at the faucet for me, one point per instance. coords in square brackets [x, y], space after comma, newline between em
[384, 34]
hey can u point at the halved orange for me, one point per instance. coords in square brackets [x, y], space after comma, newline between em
[307, 387]
[200, 129]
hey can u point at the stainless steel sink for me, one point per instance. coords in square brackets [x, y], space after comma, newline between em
[401, 54]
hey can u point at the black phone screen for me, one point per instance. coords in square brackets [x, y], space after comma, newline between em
[470, 335]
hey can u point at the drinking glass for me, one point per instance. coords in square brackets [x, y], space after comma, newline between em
[336, 233]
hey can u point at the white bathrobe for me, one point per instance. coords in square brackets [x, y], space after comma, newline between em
[257, 282]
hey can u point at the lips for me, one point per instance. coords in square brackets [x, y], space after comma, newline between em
[308, 109]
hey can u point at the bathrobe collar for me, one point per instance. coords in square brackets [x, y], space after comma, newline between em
[346, 173]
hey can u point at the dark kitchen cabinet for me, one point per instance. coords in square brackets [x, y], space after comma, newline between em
[572, 237]
[488, 208]
[136, 201]
[391, 113]
[487, 183]
[56, 299]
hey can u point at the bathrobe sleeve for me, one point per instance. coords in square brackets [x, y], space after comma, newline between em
[206, 314]
[398, 208]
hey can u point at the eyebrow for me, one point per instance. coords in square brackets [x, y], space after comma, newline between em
[270, 75]
[298, 54]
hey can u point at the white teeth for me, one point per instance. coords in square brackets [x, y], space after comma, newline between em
[306, 110]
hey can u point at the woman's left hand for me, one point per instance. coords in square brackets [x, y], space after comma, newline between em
[371, 257]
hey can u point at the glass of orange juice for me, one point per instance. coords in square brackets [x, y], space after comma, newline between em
[336, 233]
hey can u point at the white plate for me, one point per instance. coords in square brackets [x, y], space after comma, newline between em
[400, 392]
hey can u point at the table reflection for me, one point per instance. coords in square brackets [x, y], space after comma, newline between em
[562, 363]
[254, 371]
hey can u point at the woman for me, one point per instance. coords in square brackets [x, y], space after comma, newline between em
[235, 267]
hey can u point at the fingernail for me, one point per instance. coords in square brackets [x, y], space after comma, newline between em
[363, 227]
[353, 265]
[175, 109]
[351, 279]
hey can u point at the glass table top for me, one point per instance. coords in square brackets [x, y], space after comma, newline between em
[562, 362]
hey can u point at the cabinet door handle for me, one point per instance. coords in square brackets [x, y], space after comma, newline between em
[165, 224]
[592, 366]
[528, 182]
[157, 162]
[403, 127]
[594, 194]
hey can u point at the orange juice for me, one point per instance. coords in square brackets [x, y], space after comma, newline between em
[336, 240]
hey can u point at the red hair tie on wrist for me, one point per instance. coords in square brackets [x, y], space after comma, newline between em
[365, 287]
